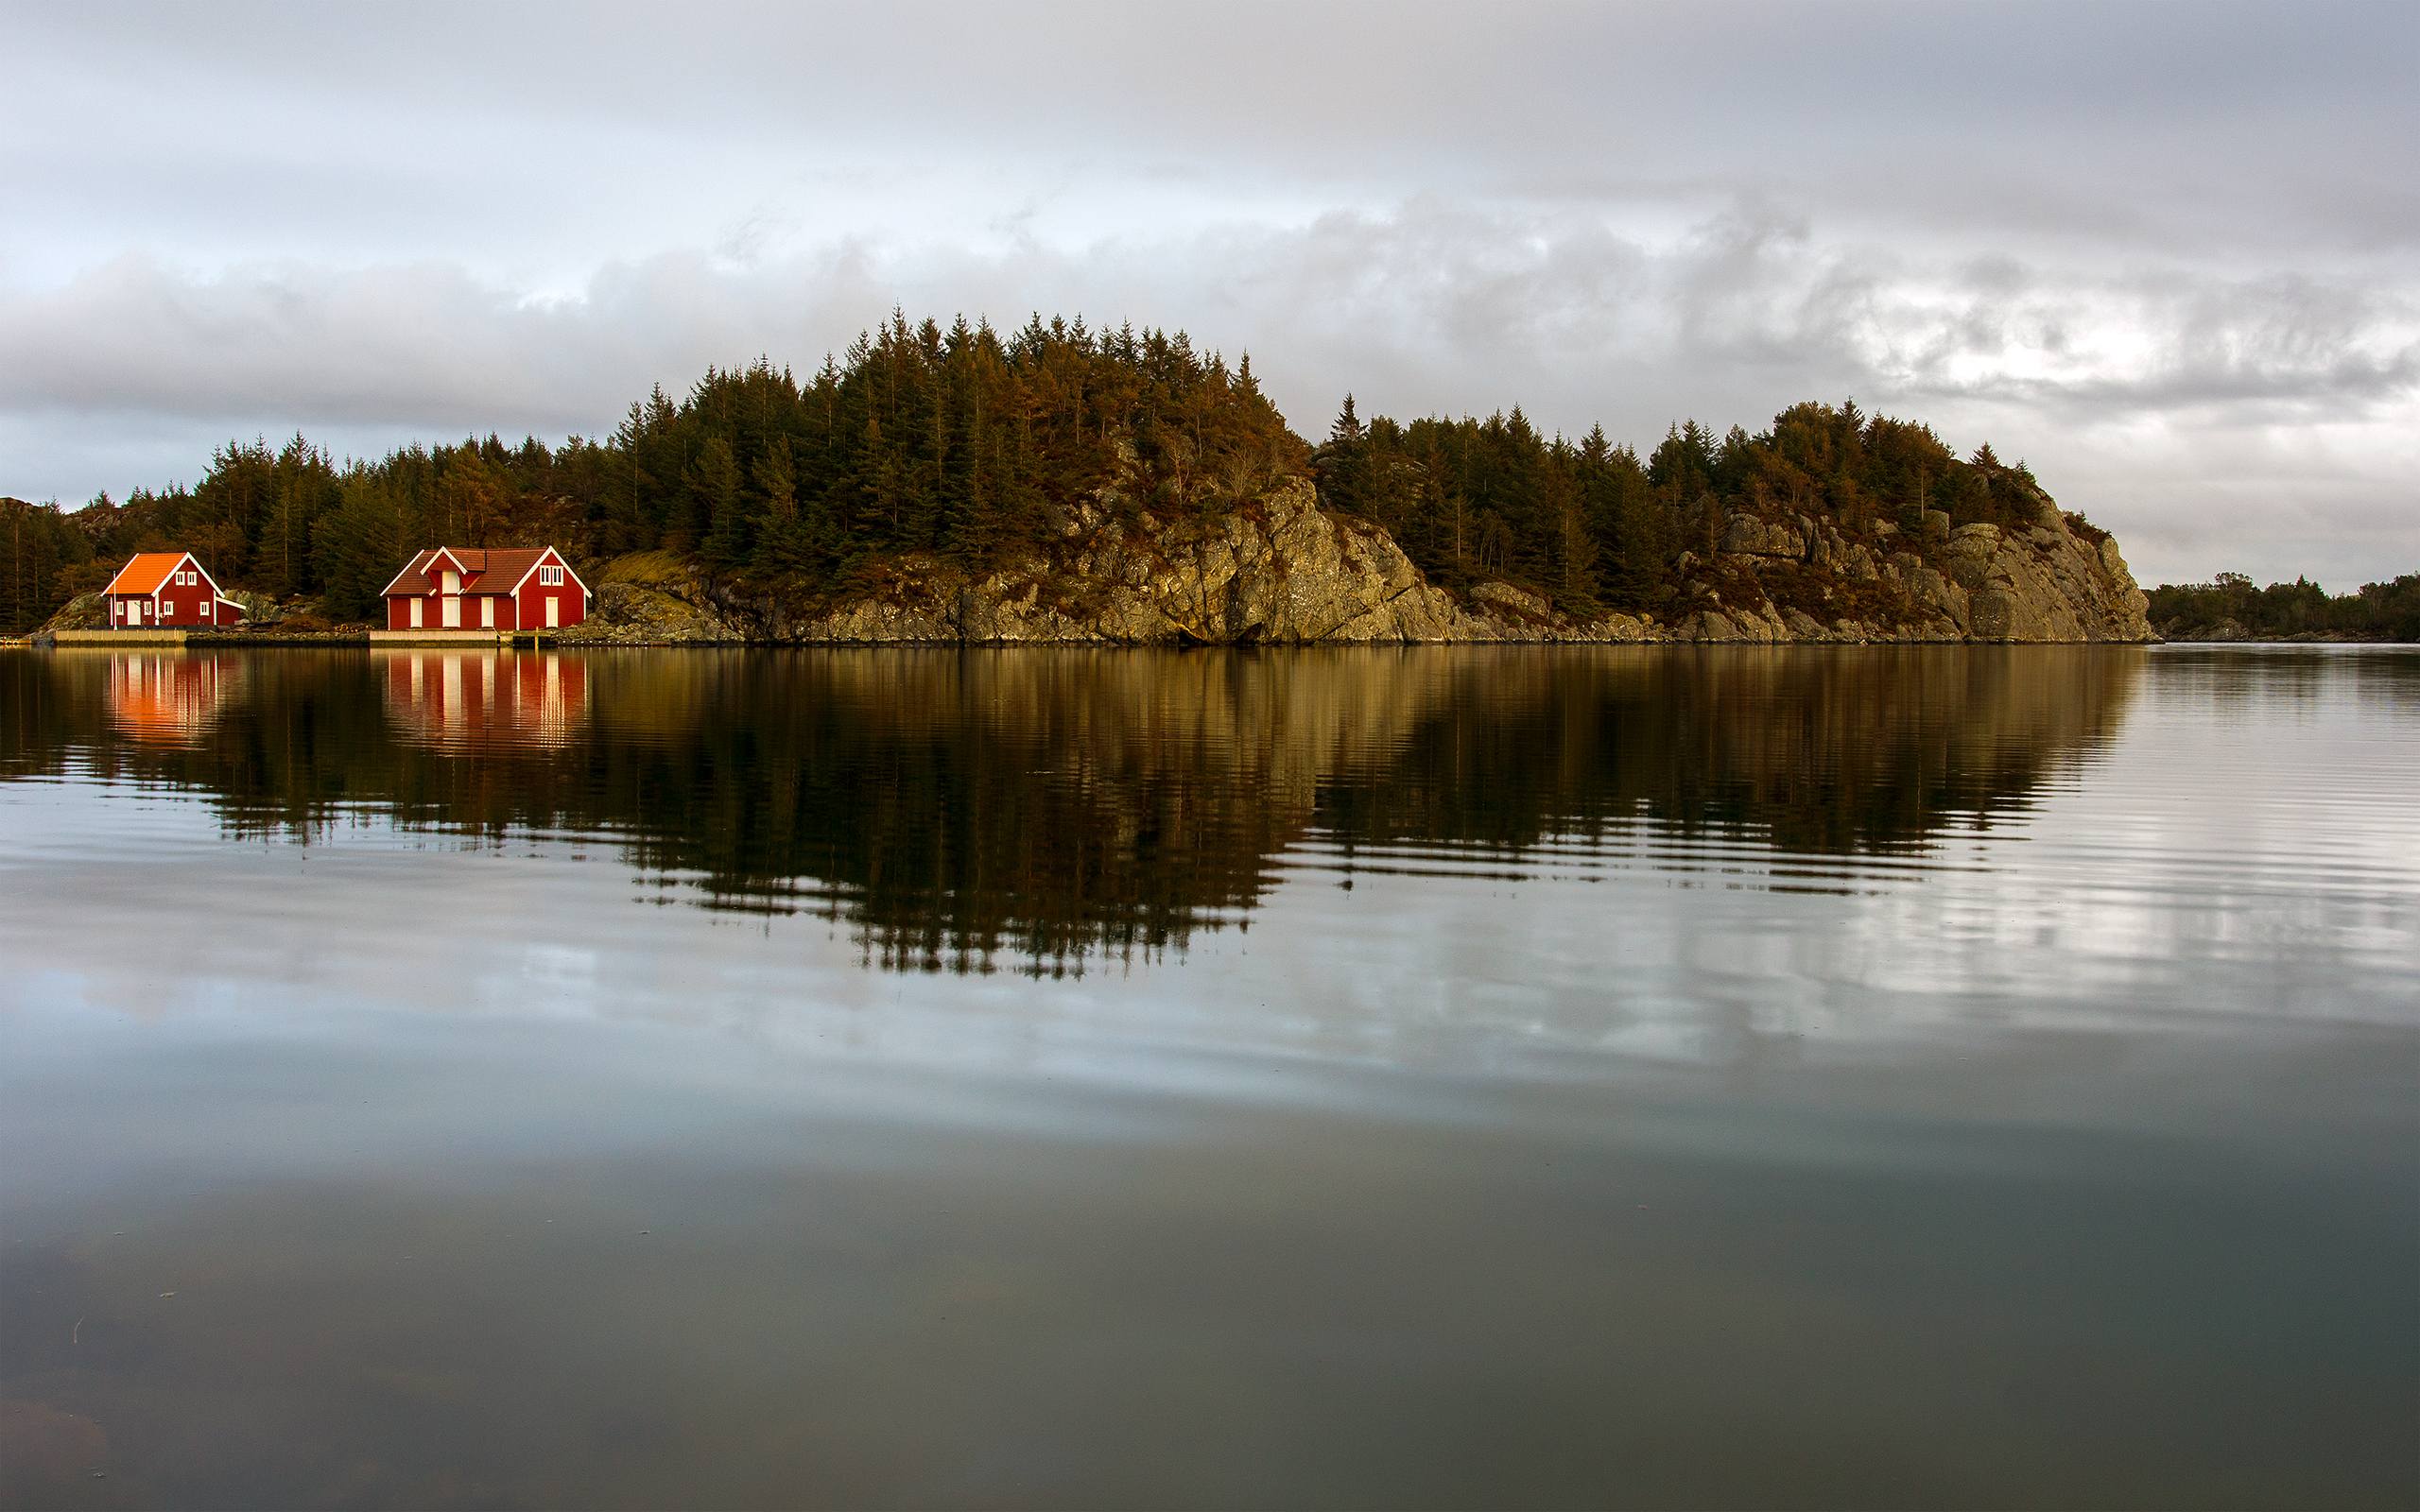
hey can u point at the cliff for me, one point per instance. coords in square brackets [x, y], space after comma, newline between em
[1285, 570]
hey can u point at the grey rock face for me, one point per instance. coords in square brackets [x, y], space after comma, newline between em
[653, 614]
[1282, 571]
[1749, 536]
[2049, 584]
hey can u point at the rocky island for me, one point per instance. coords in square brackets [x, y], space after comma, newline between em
[1287, 571]
[1058, 484]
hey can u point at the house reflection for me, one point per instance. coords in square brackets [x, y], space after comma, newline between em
[472, 699]
[168, 698]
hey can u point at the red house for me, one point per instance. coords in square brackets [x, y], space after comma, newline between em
[167, 589]
[478, 587]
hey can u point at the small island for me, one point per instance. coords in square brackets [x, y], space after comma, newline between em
[1057, 484]
[2230, 609]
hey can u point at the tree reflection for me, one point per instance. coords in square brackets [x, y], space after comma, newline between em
[1046, 808]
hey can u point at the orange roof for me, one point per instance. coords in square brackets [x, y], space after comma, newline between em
[145, 572]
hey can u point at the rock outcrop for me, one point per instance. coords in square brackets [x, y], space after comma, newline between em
[1285, 570]
[1799, 578]
[85, 611]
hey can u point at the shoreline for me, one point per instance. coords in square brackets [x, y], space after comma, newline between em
[362, 642]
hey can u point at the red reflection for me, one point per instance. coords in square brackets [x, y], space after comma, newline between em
[486, 699]
[168, 698]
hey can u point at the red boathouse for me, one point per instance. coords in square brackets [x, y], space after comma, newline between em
[481, 588]
[167, 589]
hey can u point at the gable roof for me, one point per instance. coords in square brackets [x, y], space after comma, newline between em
[485, 570]
[147, 571]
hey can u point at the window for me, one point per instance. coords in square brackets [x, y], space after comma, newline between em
[550, 576]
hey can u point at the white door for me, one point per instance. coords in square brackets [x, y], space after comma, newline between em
[451, 608]
[487, 614]
[554, 611]
[415, 603]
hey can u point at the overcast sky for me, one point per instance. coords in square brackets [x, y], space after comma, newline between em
[2169, 255]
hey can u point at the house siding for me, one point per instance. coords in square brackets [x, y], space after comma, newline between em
[530, 603]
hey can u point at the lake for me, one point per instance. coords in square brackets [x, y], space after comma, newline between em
[1429, 1078]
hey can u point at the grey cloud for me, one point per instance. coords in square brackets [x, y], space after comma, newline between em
[2246, 126]
[2123, 240]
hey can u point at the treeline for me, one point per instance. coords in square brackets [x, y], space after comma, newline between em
[966, 443]
[44, 561]
[2231, 608]
[1594, 525]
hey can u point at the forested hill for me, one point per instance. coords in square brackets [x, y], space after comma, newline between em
[968, 445]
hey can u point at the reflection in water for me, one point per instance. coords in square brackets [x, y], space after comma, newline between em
[1645, 1076]
[1050, 805]
[492, 701]
[167, 698]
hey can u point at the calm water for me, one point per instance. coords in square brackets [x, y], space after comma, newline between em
[1651, 1075]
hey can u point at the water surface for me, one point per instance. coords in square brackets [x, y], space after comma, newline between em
[1651, 1076]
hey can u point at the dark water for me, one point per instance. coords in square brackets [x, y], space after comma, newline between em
[1645, 1076]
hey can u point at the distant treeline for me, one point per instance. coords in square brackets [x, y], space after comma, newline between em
[965, 442]
[2231, 608]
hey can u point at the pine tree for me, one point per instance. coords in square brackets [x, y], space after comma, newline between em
[714, 485]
